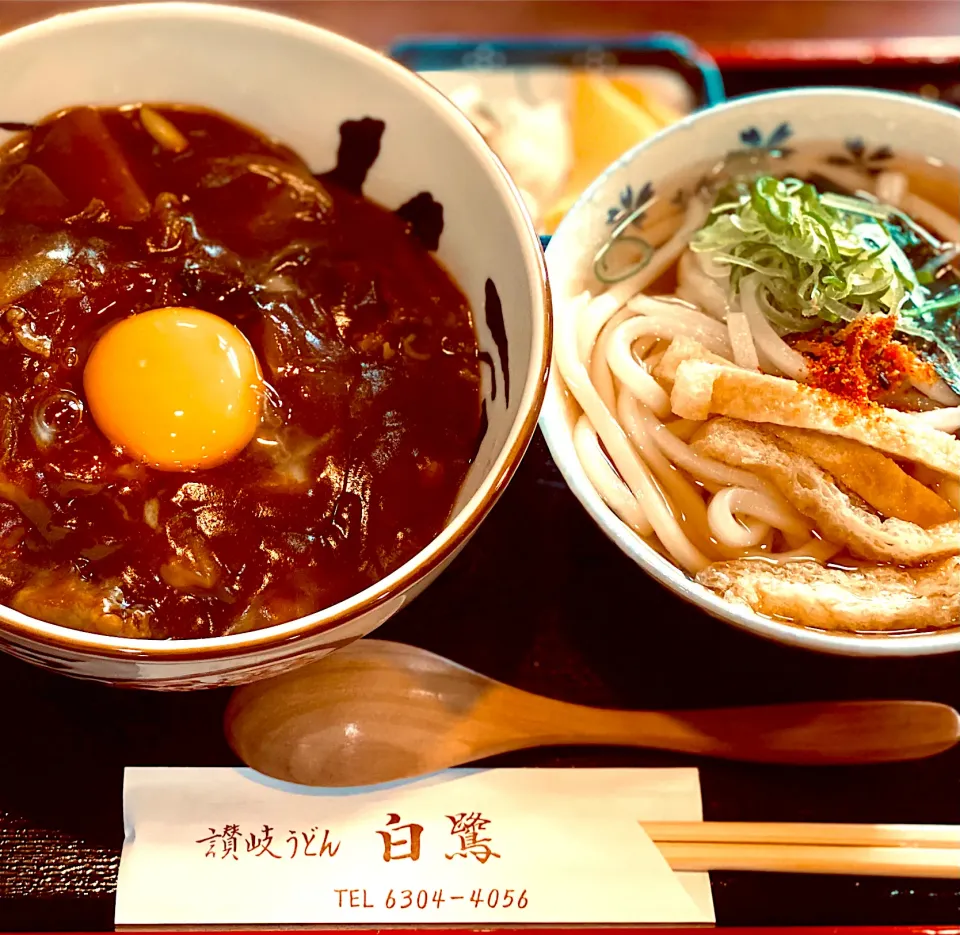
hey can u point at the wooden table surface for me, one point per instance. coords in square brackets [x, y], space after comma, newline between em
[710, 22]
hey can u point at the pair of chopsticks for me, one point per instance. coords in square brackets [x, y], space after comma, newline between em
[783, 847]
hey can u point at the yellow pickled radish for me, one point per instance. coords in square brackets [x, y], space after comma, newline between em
[655, 105]
[604, 124]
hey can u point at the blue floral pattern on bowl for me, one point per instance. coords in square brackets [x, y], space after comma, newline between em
[753, 138]
[756, 147]
[859, 156]
[630, 201]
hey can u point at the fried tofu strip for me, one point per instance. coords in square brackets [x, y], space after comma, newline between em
[702, 388]
[863, 599]
[818, 496]
[879, 480]
[684, 348]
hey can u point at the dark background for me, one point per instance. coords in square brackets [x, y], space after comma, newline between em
[539, 598]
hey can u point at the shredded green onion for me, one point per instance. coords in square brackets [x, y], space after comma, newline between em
[814, 260]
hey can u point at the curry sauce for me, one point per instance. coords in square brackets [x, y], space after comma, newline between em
[367, 348]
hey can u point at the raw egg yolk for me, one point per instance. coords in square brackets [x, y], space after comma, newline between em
[176, 388]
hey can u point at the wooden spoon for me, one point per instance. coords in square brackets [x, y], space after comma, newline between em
[377, 711]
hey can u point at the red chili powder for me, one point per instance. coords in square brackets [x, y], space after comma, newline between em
[861, 362]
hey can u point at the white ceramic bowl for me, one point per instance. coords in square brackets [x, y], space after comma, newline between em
[778, 119]
[299, 83]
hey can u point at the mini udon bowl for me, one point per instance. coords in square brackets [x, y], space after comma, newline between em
[298, 83]
[864, 125]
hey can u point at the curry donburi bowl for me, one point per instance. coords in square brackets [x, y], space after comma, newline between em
[299, 84]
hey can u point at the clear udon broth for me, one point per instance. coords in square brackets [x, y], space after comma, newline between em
[675, 484]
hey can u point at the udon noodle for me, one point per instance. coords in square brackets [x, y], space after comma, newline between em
[765, 495]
